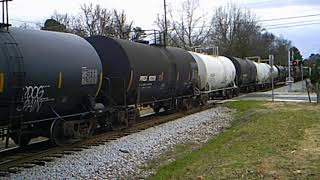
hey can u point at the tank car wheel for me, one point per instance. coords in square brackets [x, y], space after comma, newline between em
[92, 126]
[197, 103]
[62, 133]
[236, 92]
[118, 126]
[156, 109]
[119, 121]
[57, 134]
[229, 94]
[22, 141]
[166, 108]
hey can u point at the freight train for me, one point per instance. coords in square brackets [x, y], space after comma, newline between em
[63, 87]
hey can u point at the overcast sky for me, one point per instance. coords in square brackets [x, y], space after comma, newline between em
[144, 13]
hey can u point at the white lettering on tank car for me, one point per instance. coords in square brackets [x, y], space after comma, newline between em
[89, 76]
[152, 78]
[143, 78]
[33, 98]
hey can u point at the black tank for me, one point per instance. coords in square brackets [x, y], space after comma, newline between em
[140, 73]
[57, 71]
[246, 71]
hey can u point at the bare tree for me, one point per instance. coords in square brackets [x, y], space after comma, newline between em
[26, 26]
[72, 23]
[188, 28]
[280, 50]
[122, 27]
[96, 20]
[233, 30]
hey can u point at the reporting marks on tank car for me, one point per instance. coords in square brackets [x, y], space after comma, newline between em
[89, 76]
[148, 78]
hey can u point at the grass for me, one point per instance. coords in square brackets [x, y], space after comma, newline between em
[266, 140]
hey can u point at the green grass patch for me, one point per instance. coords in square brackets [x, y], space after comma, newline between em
[266, 140]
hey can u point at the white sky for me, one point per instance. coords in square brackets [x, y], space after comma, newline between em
[144, 13]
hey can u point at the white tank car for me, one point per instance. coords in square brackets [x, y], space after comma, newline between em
[202, 70]
[263, 72]
[269, 72]
[274, 72]
[215, 72]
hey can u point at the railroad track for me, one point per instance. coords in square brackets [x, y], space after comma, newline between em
[38, 154]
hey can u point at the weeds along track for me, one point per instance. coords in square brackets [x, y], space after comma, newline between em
[39, 153]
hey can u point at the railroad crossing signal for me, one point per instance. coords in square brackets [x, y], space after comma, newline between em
[295, 63]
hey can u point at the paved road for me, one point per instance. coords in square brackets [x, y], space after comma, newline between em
[297, 93]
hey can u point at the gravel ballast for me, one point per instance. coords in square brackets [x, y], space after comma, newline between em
[125, 158]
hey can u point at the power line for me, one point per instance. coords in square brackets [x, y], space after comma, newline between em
[265, 20]
[291, 23]
[297, 25]
[271, 3]
[24, 21]
[270, 26]
[314, 9]
[292, 17]
[256, 4]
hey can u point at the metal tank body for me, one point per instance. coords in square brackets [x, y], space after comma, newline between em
[282, 72]
[263, 72]
[138, 73]
[219, 71]
[186, 70]
[246, 71]
[61, 72]
[229, 70]
[269, 72]
[202, 71]
[275, 72]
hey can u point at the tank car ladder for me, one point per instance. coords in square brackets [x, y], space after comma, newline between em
[16, 71]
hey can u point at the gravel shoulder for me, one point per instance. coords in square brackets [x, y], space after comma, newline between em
[126, 157]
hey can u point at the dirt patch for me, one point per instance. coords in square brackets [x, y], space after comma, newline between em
[267, 168]
[311, 143]
[307, 155]
[290, 106]
[247, 116]
[274, 106]
[302, 163]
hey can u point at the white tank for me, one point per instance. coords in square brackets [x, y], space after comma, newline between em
[263, 72]
[202, 70]
[269, 72]
[215, 72]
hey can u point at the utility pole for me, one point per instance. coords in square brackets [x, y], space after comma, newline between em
[289, 70]
[165, 24]
[271, 58]
[317, 80]
[301, 62]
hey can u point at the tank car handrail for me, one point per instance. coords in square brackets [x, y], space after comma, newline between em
[220, 89]
[65, 116]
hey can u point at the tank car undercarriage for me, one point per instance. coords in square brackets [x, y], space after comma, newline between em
[64, 130]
